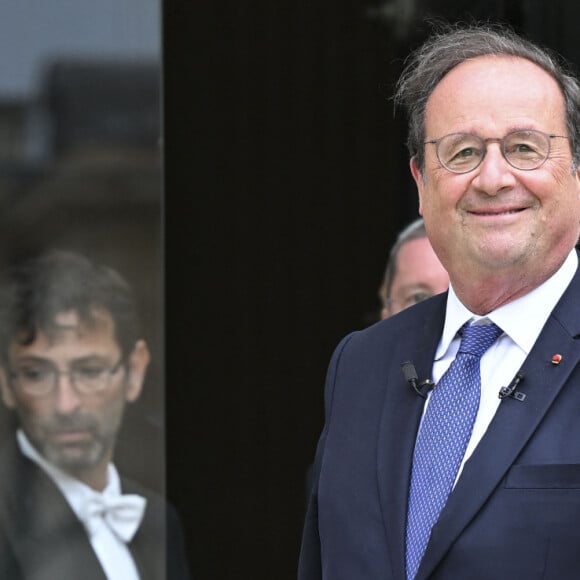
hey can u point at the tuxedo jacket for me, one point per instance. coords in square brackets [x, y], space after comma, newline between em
[514, 512]
[42, 539]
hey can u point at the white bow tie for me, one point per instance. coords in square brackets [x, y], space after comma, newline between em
[122, 514]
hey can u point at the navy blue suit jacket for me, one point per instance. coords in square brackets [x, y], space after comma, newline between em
[515, 511]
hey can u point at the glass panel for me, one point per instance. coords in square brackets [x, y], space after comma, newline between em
[80, 172]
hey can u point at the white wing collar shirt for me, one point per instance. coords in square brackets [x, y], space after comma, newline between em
[109, 546]
[505, 357]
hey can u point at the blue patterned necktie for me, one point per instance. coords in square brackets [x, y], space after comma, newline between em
[443, 438]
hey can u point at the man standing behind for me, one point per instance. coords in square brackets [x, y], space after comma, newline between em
[413, 273]
[71, 359]
[479, 477]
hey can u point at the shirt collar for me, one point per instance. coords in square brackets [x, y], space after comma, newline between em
[514, 317]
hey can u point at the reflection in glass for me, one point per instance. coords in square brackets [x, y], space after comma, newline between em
[80, 170]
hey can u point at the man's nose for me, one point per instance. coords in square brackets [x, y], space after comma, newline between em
[494, 173]
[67, 399]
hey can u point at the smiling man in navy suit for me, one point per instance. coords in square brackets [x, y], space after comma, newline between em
[494, 138]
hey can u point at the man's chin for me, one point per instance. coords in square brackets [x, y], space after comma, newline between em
[74, 458]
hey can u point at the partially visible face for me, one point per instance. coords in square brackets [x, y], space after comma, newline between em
[418, 275]
[497, 217]
[74, 431]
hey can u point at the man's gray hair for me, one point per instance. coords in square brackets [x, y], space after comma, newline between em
[451, 45]
[414, 231]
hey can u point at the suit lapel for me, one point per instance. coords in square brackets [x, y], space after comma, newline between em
[401, 414]
[47, 539]
[148, 545]
[512, 426]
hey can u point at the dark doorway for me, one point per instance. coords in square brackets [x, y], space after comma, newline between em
[286, 181]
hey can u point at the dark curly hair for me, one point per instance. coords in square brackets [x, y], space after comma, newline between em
[58, 281]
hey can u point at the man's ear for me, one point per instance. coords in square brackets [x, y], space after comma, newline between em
[418, 177]
[7, 394]
[138, 363]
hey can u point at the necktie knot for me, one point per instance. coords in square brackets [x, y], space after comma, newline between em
[477, 338]
[122, 514]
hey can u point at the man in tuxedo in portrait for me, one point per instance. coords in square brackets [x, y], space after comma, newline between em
[451, 444]
[71, 360]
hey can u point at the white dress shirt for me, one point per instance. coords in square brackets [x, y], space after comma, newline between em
[113, 554]
[521, 321]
